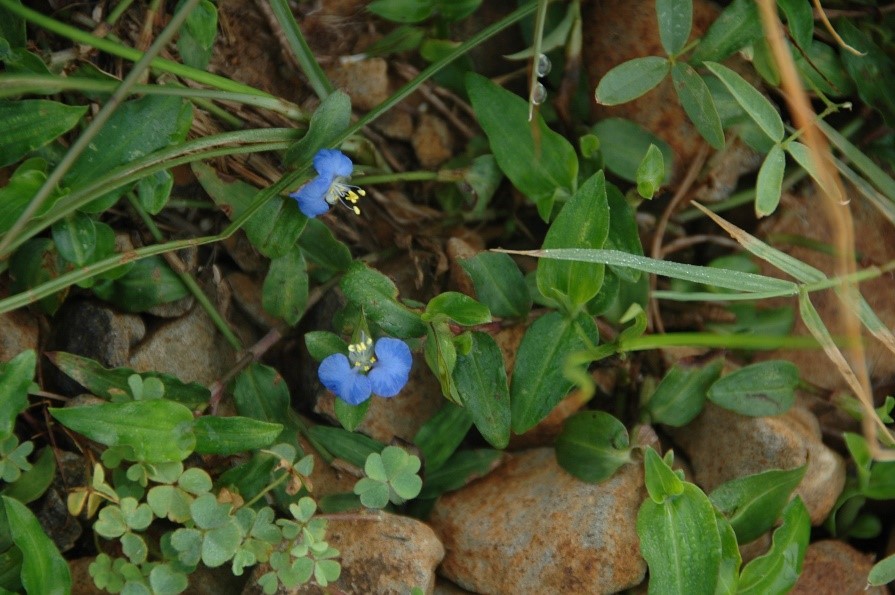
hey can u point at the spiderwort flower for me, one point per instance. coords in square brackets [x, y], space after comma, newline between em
[330, 186]
[382, 369]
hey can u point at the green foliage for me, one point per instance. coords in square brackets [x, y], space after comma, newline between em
[650, 172]
[198, 34]
[592, 446]
[285, 290]
[675, 19]
[442, 433]
[378, 296]
[43, 568]
[499, 284]
[327, 125]
[629, 143]
[680, 396]
[538, 161]
[629, 80]
[32, 123]
[481, 382]
[765, 388]
[391, 476]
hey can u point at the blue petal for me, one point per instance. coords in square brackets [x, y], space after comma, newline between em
[392, 368]
[312, 196]
[330, 162]
[337, 374]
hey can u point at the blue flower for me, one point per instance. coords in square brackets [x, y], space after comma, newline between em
[330, 186]
[381, 370]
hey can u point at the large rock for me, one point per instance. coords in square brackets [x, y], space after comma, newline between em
[835, 567]
[723, 445]
[188, 347]
[530, 527]
[380, 553]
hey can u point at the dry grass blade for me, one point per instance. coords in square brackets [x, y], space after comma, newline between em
[838, 214]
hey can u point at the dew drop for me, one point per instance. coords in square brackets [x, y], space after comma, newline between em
[538, 94]
[544, 65]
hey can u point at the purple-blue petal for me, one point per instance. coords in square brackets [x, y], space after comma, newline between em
[312, 196]
[330, 162]
[392, 368]
[337, 374]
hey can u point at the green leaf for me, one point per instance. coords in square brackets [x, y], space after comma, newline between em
[629, 143]
[499, 284]
[679, 540]
[582, 223]
[322, 248]
[765, 388]
[157, 431]
[112, 384]
[481, 381]
[802, 155]
[592, 446]
[650, 173]
[154, 190]
[770, 182]
[402, 11]
[629, 80]
[350, 416]
[779, 569]
[799, 21]
[442, 433]
[378, 296]
[34, 263]
[137, 128]
[12, 28]
[662, 483]
[348, 446]
[328, 122]
[538, 379]
[32, 484]
[883, 572]
[285, 290]
[754, 502]
[729, 572]
[197, 34]
[539, 162]
[455, 10]
[458, 307]
[15, 379]
[227, 436]
[623, 233]
[871, 71]
[675, 19]
[261, 393]
[28, 124]
[273, 229]
[321, 344]
[738, 26]
[75, 238]
[737, 280]
[16, 195]
[148, 283]
[440, 352]
[697, 101]
[44, 570]
[680, 396]
[756, 105]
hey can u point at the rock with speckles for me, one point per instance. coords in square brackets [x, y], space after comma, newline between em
[723, 445]
[835, 567]
[383, 553]
[530, 527]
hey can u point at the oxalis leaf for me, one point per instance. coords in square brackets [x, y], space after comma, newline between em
[539, 162]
